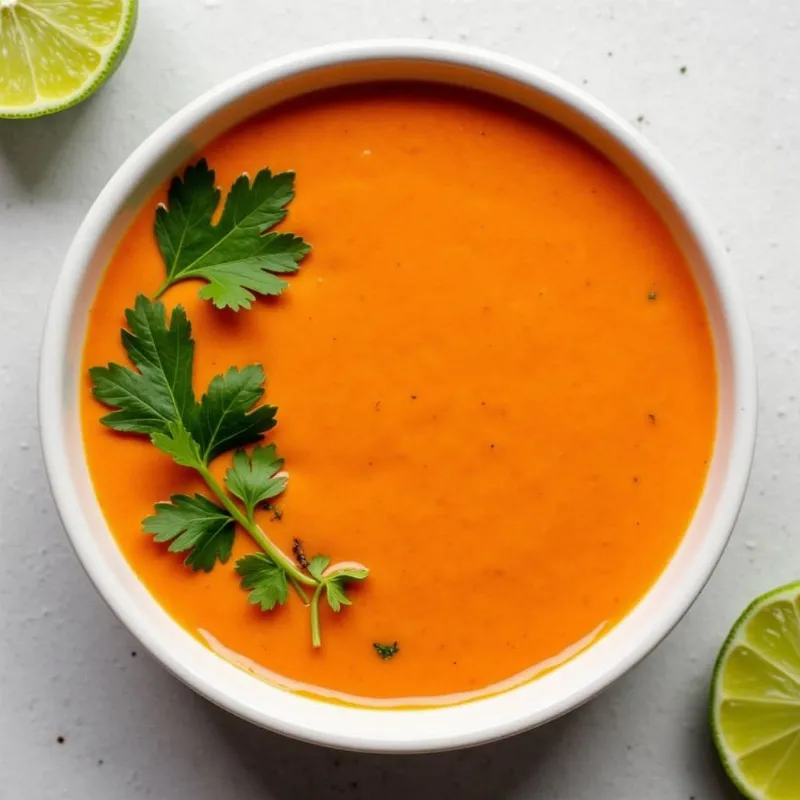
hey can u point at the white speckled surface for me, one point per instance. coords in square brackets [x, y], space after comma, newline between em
[730, 124]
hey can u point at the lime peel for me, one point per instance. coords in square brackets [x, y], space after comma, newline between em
[755, 698]
[56, 53]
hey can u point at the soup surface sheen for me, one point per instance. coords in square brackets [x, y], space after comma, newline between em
[496, 388]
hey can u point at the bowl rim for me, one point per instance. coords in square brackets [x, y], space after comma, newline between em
[180, 125]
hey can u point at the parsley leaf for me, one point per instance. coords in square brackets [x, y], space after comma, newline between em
[252, 479]
[196, 525]
[318, 565]
[159, 399]
[336, 583]
[386, 651]
[350, 572]
[336, 595]
[161, 391]
[180, 444]
[236, 256]
[224, 417]
[265, 580]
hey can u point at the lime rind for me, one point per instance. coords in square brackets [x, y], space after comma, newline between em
[755, 698]
[104, 52]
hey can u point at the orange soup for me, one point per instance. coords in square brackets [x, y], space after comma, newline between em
[496, 388]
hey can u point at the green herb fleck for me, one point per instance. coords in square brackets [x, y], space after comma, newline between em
[683, 69]
[652, 296]
[386, 651]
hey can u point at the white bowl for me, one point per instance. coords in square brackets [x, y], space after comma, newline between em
[523, 707]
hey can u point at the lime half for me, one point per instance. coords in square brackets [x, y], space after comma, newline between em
[755, 698]
[55, 53]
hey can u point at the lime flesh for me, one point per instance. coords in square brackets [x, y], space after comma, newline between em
[55, 53]
[755, 698]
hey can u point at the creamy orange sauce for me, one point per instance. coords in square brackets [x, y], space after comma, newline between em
[496, 388]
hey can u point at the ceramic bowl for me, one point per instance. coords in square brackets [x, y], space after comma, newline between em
[527, 705]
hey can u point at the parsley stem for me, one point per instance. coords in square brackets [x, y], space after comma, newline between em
[298, 588]
[255, 531]
[315, 636]
[161, 289]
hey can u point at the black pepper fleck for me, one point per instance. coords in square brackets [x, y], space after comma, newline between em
[60, 739]
[299, 553]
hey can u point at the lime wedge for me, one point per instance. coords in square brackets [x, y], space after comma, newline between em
[55, 53]
[755, 698]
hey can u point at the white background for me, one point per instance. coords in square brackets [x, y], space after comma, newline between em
[730, 124]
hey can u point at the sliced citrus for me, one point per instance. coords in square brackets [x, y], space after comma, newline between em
[55, 53]
[755, 698]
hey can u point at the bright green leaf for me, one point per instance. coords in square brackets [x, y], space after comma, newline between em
[236, 256]
[161, 391]
[252, 479]
[179, 443]
[196, 525]
[225, 419]
[317, 566]
[264, 579]
[335, 592]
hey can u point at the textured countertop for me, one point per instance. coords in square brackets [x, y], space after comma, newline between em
[85, 714]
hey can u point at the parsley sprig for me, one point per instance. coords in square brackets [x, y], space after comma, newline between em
[155, 396]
